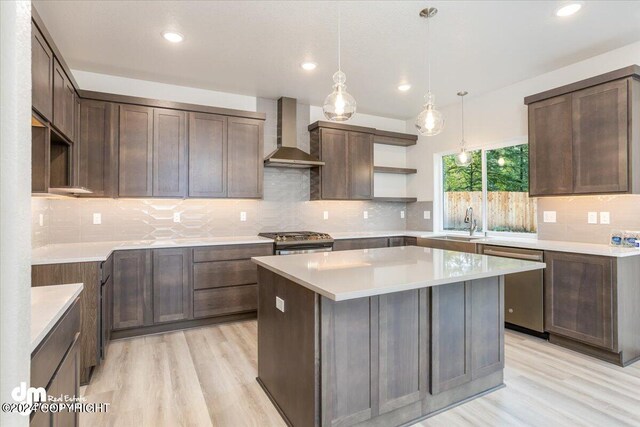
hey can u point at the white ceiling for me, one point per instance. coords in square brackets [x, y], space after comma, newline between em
[255, 47]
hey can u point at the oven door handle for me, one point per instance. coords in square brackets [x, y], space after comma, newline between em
[302, 251]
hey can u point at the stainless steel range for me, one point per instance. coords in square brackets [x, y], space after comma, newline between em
[299, 242]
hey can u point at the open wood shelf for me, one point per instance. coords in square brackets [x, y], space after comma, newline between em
[396, 199]
[387, 169]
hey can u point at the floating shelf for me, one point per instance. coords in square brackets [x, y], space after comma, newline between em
[387, 169]
[396, 199]
[394, 138]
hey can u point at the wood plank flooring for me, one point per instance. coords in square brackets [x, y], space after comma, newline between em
[206, 377]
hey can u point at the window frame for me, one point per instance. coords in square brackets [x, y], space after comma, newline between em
[438, 190]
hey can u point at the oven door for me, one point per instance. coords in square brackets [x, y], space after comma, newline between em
[302, 249]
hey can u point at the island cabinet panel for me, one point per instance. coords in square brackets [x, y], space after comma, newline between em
[370, 243]
[41, 74]
[487, 327]
[135, 158]
[346, 362]
[245, 157]
[132, 292]
[600, 139]
[580, 298]
[169, 153]
[172, 285]
[207, 155]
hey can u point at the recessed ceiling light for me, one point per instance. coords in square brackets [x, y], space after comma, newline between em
[568, 9]
[172, 36]
[404, 87]
[308, 66]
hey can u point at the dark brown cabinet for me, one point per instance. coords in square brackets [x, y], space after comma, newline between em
[97, 147]
[579, 298]
[132, 291]
[169, 153]
[245, 157]
[135, 154]
[41, 74]
[368, 243]
[207, 155]
[63, 102]
[66, 382]
[348, 170]
[584, 138]
[172, 288]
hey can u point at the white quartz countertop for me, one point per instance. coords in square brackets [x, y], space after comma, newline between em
[363, 273]
[560, 246]
[340, 235]
[95, 252]
[48, 304]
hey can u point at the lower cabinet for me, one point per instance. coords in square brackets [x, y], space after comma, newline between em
[231, 300]
[132, 289]
[172, 289]
[368, 243]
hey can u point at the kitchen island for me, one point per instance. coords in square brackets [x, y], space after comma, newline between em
[381, 336]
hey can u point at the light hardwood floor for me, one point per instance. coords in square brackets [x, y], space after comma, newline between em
[206, 376]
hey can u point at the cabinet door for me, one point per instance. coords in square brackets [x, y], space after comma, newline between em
[360, 166]
[132, 289]
[97, 147]
[67, 382]
[41, 74]
[245, 157]
[172, 290]
[600, 139]
[334, 152]
[169, 153]
[59, 97]
[69, 110]
[135, 157]
[207, 155]
[550, 147]
[579, 298]
[106, 312]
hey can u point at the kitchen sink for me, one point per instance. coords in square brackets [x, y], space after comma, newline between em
[458, 238]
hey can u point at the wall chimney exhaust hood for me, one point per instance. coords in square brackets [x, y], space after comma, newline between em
[288, 155]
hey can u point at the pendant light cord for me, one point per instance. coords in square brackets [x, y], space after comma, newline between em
[339, 36]
[428, 54]
[463, 141]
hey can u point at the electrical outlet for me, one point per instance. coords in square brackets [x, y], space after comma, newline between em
[426, 214]
[402, 214]
[592, 218]
[325, 215]
[41, 220]
[97, 219]
[176, 217]
[605, 218]
[365, 215]
[280, 304]
[243, 216]
[549, 216]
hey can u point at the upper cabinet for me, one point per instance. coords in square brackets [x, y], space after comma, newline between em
[348, 155]
[135, 154]
[207, 155]
[584, 137]
[63, 101]
[169, 153]
[245, 158]
[41, 74]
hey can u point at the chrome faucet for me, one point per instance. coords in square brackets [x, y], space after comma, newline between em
[468, 219]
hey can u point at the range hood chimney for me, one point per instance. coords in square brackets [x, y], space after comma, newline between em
[288, 155]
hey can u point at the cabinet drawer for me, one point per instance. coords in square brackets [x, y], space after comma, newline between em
[224, 273]
[230, 252]
[46, 358]
[367, 243]
[216, 302]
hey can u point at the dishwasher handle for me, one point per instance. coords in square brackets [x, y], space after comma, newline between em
[515, 255]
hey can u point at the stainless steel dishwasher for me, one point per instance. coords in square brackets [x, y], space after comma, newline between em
[523, 292]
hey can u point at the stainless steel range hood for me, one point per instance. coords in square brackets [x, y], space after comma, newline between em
[288, 155]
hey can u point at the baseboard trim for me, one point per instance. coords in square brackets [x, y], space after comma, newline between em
[598, 353]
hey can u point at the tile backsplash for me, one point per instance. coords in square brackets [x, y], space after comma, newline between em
[571, 217]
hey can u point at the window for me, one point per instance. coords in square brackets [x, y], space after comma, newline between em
[495, 185]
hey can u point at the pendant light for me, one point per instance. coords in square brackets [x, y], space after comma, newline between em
[463, 158]
[430, 121]
[339, 106]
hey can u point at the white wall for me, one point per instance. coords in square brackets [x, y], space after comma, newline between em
[148, 89]
[15, 201]
[501, 115]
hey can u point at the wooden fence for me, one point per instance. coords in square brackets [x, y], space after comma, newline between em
[508, 211]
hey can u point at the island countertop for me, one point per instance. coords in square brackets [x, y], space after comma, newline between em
[354, 274]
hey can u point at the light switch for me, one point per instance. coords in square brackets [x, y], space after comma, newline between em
[280, 304]
[97, 219]
[176, 217]
[549, 216]
[325, 215]
[243, 216]
[426, 214]
[41, 220]
[592, 218]
[604, 218]
[402, 214]
[365, 215]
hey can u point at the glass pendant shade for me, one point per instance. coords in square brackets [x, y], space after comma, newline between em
[339, 106]
[463, 158]
[430, 121]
